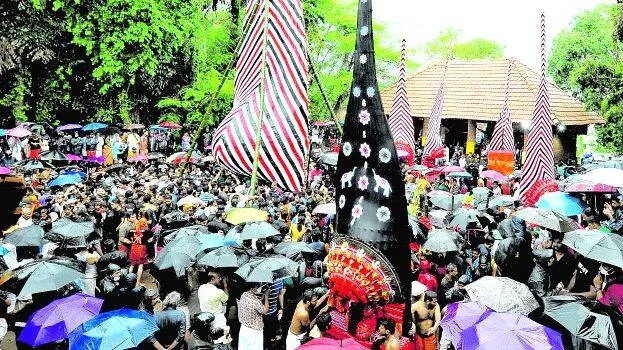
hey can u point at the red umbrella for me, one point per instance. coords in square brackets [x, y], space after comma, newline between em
[139, 158]
[450, 169]
[332, 344]
[493, 175]
[170, 125]
[589, 187]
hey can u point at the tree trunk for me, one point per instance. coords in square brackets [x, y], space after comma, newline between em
[235, 11]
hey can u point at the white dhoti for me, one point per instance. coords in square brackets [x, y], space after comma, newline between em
[250, 339]
[293, 341]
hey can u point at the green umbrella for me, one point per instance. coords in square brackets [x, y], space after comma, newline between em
[291, 249]
[596, 245]
[224, 257]
[30, 236]
[267, 270]
[42, 276]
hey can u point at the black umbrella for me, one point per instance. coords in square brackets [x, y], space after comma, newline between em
[185, 231]
[291, 249]
[30, 236]
[267, 270]
[175, 217]
[53, 156]
[42, 276]
[70, 234]
[33, 164]
[586, 319]
[116, 167]
[225, 257]
[253, 230]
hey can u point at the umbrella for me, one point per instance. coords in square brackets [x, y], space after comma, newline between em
[181, 252]
[33, 164]
[560, 202]
[70, 234]
[190, 200]
[501, 201]
[329, 158]
[481, 194]
[242, 215]
[502, 294]
[461, 174]
[253, 230]
[450, 203]
[510, 331]
[42, 276]
[439, 218]
[139, 158]
[69, 127]
[134, 127]
[418, 167]
[460, 316]
[170, 125]
[464, 216]
[2, 132]
[118, 330]
[586, 319]
[589, 187]
[63, 180]
[18, 132]
[442, 240]
[192, 230]
[53, 156]
[30, 236]
[59, 318]
[116, 167]
[73, 157]
[155, 155]
[450, 169]
[596, 245]
[332, 344]
[291, 249]
[267, 270]
[493, 175]
[546, 218]
[606, 176]
[416, 230]
[224, 257]
[439, 193]
[175, 216]
[156, 127]
[94, 126]
[326, 209]
[5, 171]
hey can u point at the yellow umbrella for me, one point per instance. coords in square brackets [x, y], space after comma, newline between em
[241, 215]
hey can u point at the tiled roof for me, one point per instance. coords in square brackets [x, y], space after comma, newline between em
[475, 90]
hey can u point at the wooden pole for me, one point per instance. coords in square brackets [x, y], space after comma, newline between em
[324, 96]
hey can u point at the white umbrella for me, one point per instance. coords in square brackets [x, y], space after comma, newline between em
[442, 240]
[190, 200]
[606, 176]
[502, 294]
[546, 218]
[327, 209]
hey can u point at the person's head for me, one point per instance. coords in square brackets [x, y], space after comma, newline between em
[386, 326]
[172, 300]
[475, 252]
[215, 278]
[452, 271]
[323, 321]
[557, 242]
[310, 298]
[430, 298]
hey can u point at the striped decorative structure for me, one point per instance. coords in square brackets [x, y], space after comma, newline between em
[400, 121]
[502, 139]
[433, 139]
[539, 164]
[266, 133]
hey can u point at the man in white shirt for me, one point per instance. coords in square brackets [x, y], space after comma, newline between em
[213, 299]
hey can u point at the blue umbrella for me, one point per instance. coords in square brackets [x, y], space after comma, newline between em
[94, 126]
[82, 174]
[118, 329]
[561, 202]
[63, 180]
[462, 174]
[2, 132]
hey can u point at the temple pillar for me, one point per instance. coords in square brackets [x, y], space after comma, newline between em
[470, 145]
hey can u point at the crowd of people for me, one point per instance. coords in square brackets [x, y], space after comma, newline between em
[134, 208]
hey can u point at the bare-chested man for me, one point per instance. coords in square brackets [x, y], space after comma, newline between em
[426, 317]
[390, 340]
[300, 320]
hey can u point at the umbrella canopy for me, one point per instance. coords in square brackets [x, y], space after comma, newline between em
[64, 180]
[329, 158]
[502, 294]
[190, 200]
[241, 215]
[460, 174]
[450, 169]
[493, 175]
[73, 157]
[225, 257]
[116, 167]
[69, 127]
[267, 270]
[332, 344]
[510, 331]
[252, 230]
[192, 230]
[442, 240]
[33, 164]
[460, 316]
[30, 236]
[169, 125]
[118, 329]
[94, 126]
[450, 203]
[59, 318]
[70, 234]
[18, 132]
[140, 158]
[416, 230]
[326, 209]
[464, 216]
[596, 245]
[42, 276]
[5, 171]
[53, 156]
[175, 216]
[589, 187]
[438, 193]
[134, 127]
[501, 201]
[291, 249]
[481, 194]
[585, 319]
[546, 218]
[182, 252]
[155, 155]
[607, 176]
[560, 202]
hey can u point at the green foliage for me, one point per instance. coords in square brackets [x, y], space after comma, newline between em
[585, 61]
[446, 46]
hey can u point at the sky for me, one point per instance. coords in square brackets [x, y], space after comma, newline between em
[514, 24]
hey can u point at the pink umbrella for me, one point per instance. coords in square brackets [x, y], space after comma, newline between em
[450, 169]
[18, 132]
[139, 158]
[5, 171]
[493, 175]
[73, 157]
[332, 344]
[589, 187]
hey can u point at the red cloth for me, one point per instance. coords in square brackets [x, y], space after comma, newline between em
[138, 254]
[425, 343]
[429, 280]
[613, 297]
[34, 153]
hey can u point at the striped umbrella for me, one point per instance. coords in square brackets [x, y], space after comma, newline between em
[502, 139]
[540, 161]
[400, 121]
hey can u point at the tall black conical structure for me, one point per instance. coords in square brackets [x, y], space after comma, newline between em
[372, 210]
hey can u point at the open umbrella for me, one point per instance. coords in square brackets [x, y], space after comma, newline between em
[30, 236]
[291, 249]
[493, 175]
[546, 218]
[33, 164]
[267, 270]
[116, 167]
[501, 201]
[253, 230]
[510, 331]
[73, 157]
[502, 294]
[175, 217]
[596, 245]
[192, 230]
[190, 200]
[134, 127]
[589, 187]
[606, 176]
[63, 180]
[70, 234]
[170, 125]
[59, 318]
[329, 158]
[586, 319]
[94, 126]
[480, 194]
[450, 169]
[69, 127]
[155, 155]
[450, 203]
[140, 158]
[462, 217]
[442, 240]
[18, 132]
[460, 316]
[42, 276]
[325, 209]
[5, 171]
[118, 330]
[53, 156]
[560, 202]
[241, 215]
[182, 252]
[224, 257]
[332, 344]
[416, 230]
[460, 174]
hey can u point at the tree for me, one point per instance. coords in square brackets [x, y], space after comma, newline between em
[447, 46]
[585, 61]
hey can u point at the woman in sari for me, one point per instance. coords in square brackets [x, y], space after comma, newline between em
[138, 250]
[108, 152]
[144, 147]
